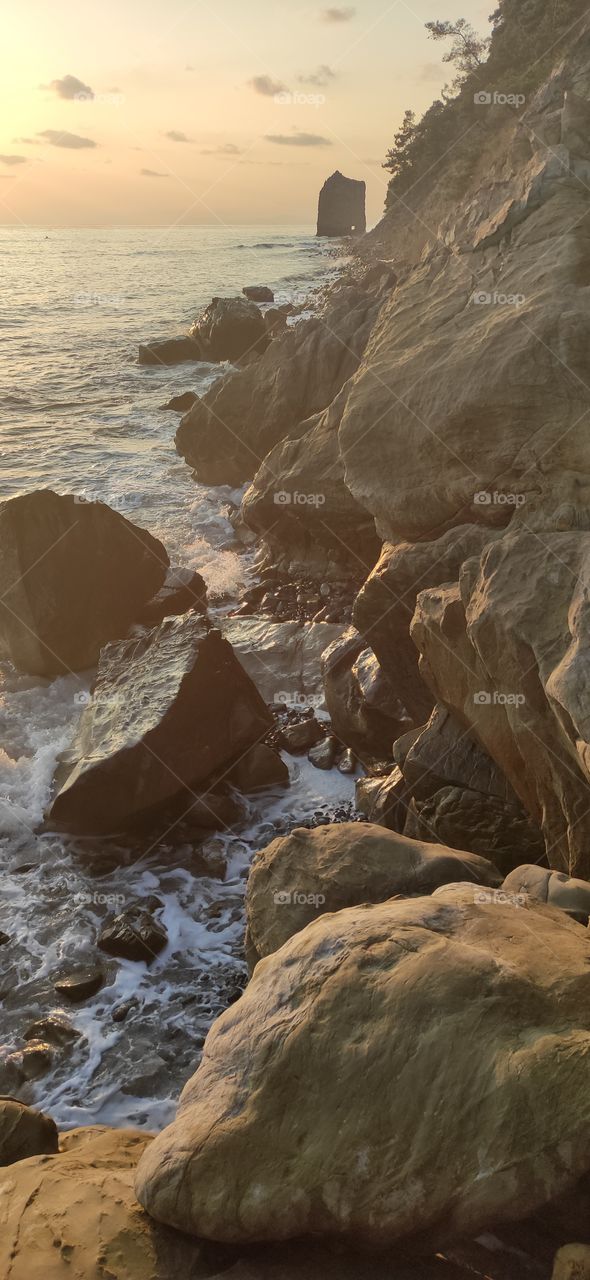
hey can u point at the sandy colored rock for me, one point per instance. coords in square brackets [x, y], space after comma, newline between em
[416, 1069]
[300, 876]
[24, 1132]
[572, 1262]
[74, 1216]
[554, 887]
[73, 575]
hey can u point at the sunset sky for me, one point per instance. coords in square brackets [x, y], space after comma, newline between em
[202, 111]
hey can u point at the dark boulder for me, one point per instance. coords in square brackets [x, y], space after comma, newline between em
[260, 767]
[25, 1132]
[73, 575]
[258, 293]
[183, 589]
[181, 403]
[80, 984]
[341, 207]
[230, 328]
[170, 710]
[133, 935]
[172, 351]
[365, 713]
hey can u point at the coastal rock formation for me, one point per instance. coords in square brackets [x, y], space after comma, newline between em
[171, 351]
[227, 433]
[230, 328]
[364, 710]
[73, 575]
[258, 293]
[554, 887]
[284, 659]
[300, 876]
[74, 1216]
[453, 1035]
[169, 710]
[24, 1132]
[341, 207]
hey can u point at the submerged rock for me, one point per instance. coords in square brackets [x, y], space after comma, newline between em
[412, 1070]
[24, 1132]
[300, 876]
[73, 575]
[169, 710]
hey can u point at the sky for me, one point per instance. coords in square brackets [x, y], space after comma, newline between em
[154, 112]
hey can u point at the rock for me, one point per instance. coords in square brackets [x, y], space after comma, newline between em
[226, 435]
[323, 755]
[182, 402]
[341, 208]
[302, 735]
[300, 876]
[347, 762]
[80, 985]
[437, 1028]
[363, 709]
[260, 767]
[572, 1262]
[24, 1132]
[275, 321]
[258, 293]
[133, 935]
[172, 351]
[169, 710]
[282, 658]
[384, 800]
[4, 938]
[471, 820]
[74, 1216]
[35, 1060]
[183, 589]
[230, 328]
[56, 1030]
[73, 575]
[553, 887]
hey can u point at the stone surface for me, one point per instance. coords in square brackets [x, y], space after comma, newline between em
[230, 328]
[300, 876]
[341, 206]
[260, 767]
[364, 711]
[301, 735]
[171, 351]
[323, 755]
[80, 985]
[415, 1070]
[182, 402]
[258, 293]
[24, 1132]
[73, 575]
[169, 710]
[572, 1262]
[282, 658]
[553, 887]
[183, 589]
[134, 934]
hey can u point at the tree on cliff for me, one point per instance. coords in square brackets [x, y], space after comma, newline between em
[468, 50]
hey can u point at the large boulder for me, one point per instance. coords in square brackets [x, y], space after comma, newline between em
[300, 876]
[341, 206]
[73, 575]
[171, 351]
[364, 710]
[169, 710]
[230, 328]
[415, 1070]
[283, 658]
[74, 1216]
[24, 1132]
[554, 887]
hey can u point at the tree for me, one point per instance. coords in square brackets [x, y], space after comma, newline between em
[399, 157]
[468, 50]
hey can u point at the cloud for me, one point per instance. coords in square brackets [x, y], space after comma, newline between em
[60, 138]
[176, 135]
[13, 159]
[71, 88]
[152, 173]
[298, 139]
[337, 15]
[266, 86]
[31, 142]
[228, 149]
[319, 78]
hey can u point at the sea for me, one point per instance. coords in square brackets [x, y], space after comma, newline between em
[78, 414]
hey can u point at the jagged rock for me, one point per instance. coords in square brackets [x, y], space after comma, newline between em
[300, 876]
[258, 293]
[133, 935]
[554, 887]
[230, 328]
[73, 1216]
[182, 402]
[364, 711]
[436, 1027]
[323, 755]
[73, 575]
[24, 1132]
[57, 1030]
[183, 589]
[172, 351]
[33, 1061]
[384, 800]
[341, 206]
[260, 767]
[506, 650]
[282, 658]
[347, 762]
[80, 985]
[301, 735]
[169, 709]
[227, 434]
